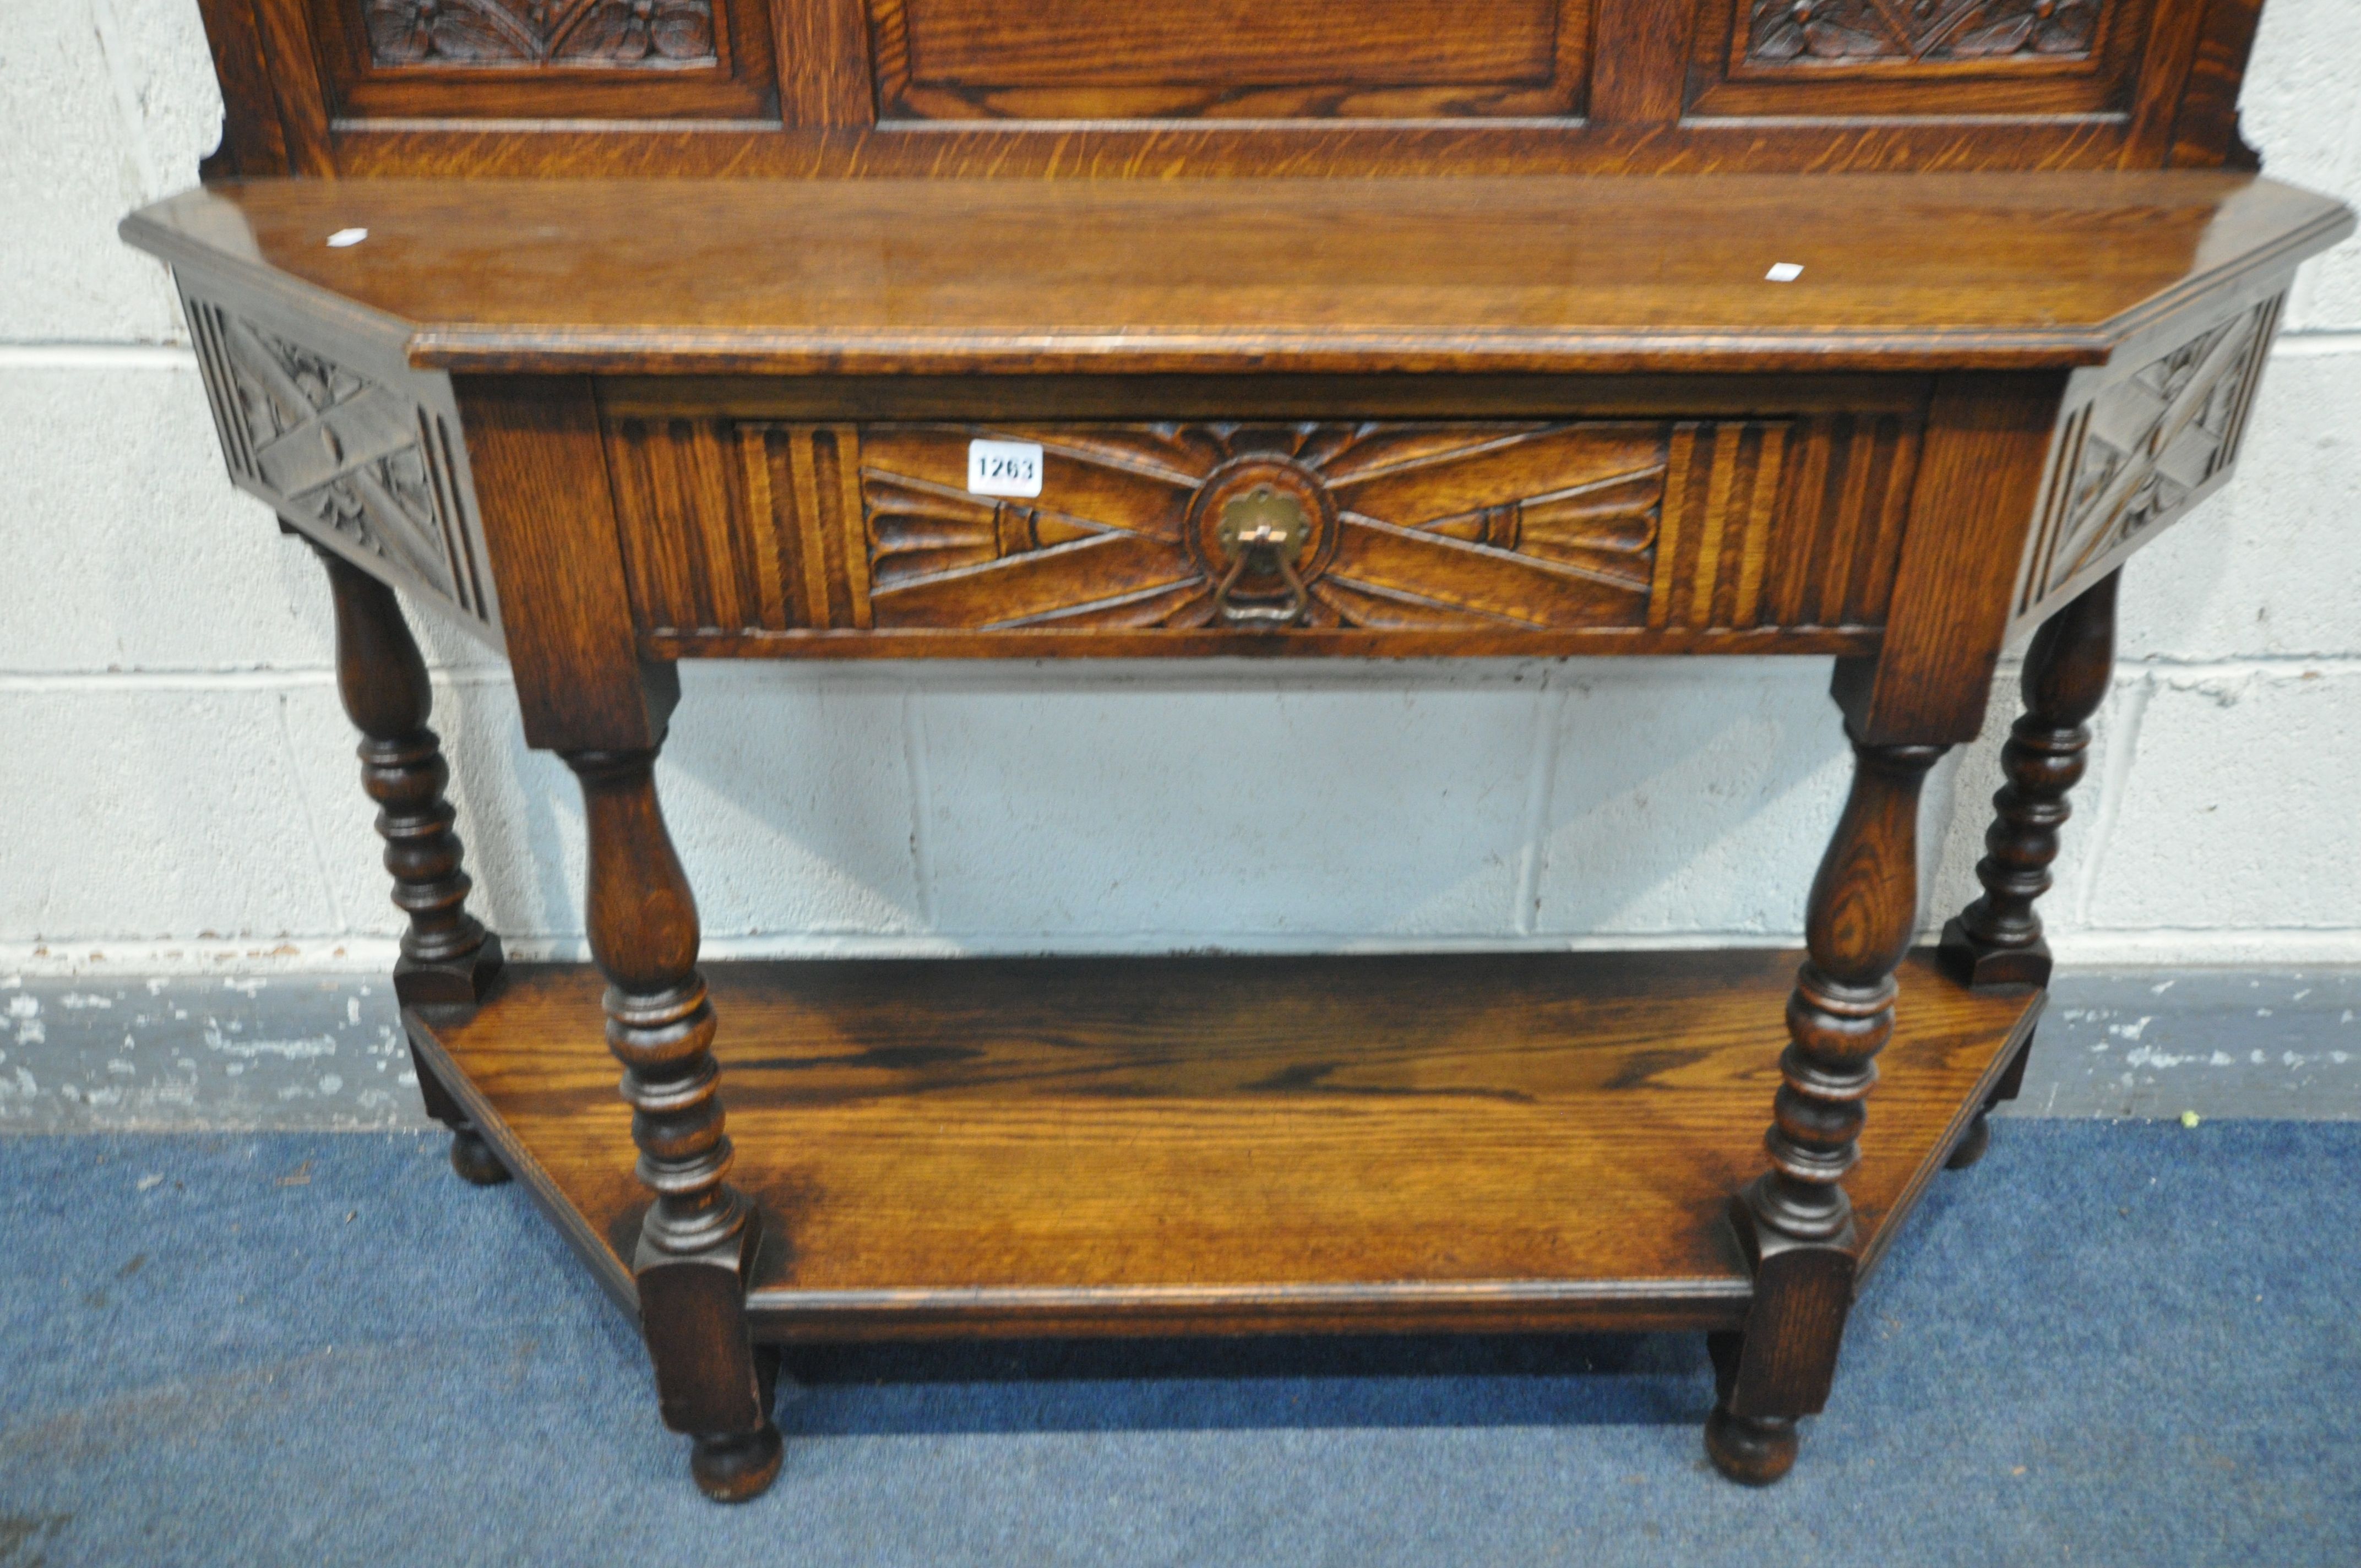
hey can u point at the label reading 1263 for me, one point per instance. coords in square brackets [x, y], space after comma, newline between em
[1003, 469]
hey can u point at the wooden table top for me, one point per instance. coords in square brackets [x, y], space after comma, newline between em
[1533, 274]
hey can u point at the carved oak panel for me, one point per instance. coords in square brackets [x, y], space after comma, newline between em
[352, 459]
[2135, 456]
[1804, 31]
[1919, 58]
[1647, 525]
[639, 33]
[549, 60]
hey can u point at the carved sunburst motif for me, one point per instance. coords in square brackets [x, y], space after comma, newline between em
[538, 32]
[1435, 526]
[1807, 30]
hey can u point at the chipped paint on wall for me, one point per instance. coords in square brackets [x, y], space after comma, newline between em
[149, 1053]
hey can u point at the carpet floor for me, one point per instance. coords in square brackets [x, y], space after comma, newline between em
[2111, 1343]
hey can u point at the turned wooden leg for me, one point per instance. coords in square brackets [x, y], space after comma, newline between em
[1996, 941]
[1756, 1450]
[1794, 1221]
[1978, 1137]
[696, 1241]
[447, 957]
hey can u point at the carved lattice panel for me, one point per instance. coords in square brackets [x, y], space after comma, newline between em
[620, 33]
[1807, 31]
[346, 456]
[2146, 449]
[583, 61]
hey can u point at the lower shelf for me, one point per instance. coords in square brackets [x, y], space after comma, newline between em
[1227, 1144]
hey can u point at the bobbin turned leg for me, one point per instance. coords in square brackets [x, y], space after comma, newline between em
[447, 958]
[1997, 939]
[1794, 1221]
[696, 1241]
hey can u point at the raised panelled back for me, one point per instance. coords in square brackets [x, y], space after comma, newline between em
[1087, 60]
[1139, 87]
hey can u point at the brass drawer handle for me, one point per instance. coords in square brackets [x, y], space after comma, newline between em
[1263, 531]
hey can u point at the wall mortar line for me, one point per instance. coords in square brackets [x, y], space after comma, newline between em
[2324, 343]
[289, 678]
[72, 355]
[2270, 666]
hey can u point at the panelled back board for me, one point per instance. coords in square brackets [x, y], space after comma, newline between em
[1156, 87]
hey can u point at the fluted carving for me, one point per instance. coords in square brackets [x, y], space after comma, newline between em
[1997, 939]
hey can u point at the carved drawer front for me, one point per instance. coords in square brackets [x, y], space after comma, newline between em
[1731, 525]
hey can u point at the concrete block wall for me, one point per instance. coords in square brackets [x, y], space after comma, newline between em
[177, 786]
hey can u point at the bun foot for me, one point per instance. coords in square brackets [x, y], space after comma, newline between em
[1972, 1143]
[737, 1469]
[472, 1158]
[1756, 1450]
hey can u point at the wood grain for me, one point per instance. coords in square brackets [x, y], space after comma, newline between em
[786, 87]
[1987, 447]
[1539, 275]
[549, 525]
[1233, 1145]
[1260, 60]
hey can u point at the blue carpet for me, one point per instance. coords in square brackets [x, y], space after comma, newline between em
[2119, 1342]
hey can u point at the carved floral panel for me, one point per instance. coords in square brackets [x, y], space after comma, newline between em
[1839, 31]
[641, 33]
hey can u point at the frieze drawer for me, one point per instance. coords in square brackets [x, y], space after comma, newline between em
[1188, 537]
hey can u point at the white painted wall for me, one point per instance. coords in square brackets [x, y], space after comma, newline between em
[177, 784]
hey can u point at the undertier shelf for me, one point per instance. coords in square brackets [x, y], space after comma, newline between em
[1485, 1143]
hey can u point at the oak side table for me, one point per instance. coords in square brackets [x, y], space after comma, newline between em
[610, 395]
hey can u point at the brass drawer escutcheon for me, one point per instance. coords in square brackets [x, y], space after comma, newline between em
[1263, 533]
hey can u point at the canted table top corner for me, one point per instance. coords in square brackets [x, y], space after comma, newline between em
[1544, 274]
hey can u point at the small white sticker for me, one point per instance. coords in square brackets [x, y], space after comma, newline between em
[1003, 469]
[343, 237]
[1784, 272]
